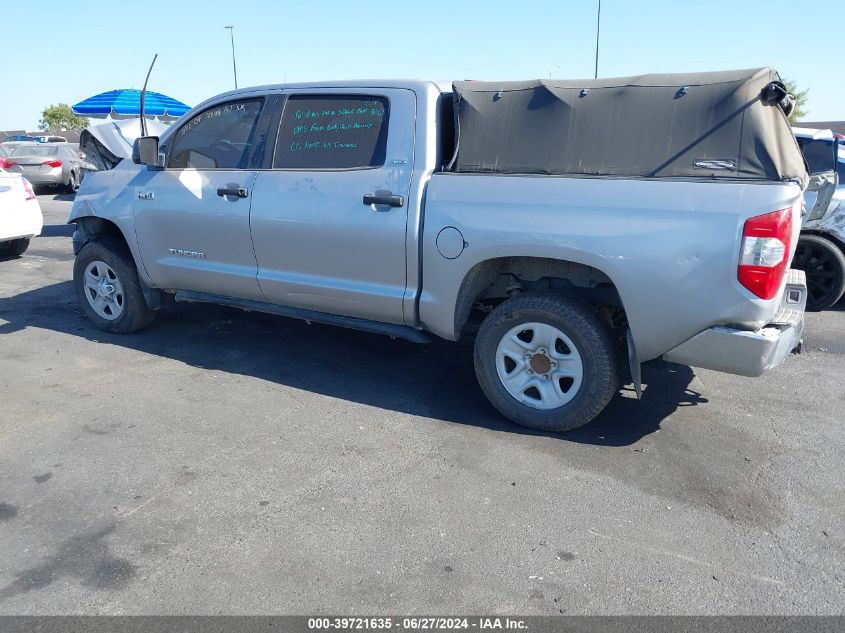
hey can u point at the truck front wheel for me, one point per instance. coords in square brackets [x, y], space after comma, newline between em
[546, 361]
[108, 288]
[823, 263]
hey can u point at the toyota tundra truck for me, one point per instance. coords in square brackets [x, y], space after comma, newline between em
[575, 228]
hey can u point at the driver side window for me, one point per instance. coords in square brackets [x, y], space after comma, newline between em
[221, 137]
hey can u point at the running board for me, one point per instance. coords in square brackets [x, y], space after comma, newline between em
[388, 329]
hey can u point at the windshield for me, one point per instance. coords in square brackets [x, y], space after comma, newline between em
[35, 150]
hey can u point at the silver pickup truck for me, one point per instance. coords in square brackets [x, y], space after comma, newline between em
[587, 226]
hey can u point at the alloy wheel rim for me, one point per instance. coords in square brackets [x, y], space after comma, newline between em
[818, 265]
[539, 365]
[103, 290]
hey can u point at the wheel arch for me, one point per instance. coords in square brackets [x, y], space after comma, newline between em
[499, 277]
[831, 237]
[89, 228]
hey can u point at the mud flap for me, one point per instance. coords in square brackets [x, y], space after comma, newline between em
[634, 363]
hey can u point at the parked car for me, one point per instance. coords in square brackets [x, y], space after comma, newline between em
[20, 214]
[821, 247]
[410, 208]
[10, 145]
[7, 147]
[54, 164]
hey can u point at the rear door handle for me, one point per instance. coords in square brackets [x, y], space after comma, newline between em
[238, 192]
[384, 199]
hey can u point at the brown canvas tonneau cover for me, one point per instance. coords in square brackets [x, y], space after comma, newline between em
[718, 125]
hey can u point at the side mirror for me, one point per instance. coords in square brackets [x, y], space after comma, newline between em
[145, 151]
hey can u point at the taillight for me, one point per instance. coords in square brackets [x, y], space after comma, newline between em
[52, 163]
[30, 192]
[9, 163]
[765, 252]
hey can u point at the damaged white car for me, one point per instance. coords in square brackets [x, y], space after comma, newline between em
[821, 247]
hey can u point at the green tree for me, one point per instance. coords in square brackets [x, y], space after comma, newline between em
[60, 118]
[800, 109]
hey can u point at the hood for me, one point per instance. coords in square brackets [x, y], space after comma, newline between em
[107, 144]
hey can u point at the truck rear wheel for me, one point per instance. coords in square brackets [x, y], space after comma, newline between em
[823, 263]
[546, 361]
[108, 288]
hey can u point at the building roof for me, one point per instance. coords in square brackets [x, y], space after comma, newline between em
[836, 126]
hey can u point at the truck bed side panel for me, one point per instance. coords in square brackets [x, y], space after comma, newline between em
[670, 247]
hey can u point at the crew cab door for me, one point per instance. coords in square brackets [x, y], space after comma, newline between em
[329, 217]
[192, 217]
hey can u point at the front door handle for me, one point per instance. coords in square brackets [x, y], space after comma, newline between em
[384, 199]
[238, 192]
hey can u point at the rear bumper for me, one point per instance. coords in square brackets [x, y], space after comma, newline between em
[46, 178]
[24, 221]
[747, 353]
[37, 176]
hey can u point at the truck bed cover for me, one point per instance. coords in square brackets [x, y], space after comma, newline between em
[715, 125]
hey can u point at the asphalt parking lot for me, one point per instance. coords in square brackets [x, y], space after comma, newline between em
[232, 462]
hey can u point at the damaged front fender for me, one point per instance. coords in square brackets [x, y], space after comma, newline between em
[104, 206]
[832, 223]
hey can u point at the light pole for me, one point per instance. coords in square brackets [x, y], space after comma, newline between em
[598, 28]
[234, 65]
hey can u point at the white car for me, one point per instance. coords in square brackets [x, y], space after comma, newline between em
[20, 214]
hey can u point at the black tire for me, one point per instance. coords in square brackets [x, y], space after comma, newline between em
[135, 314]
[589, 333]
[15, 248]
[824, 264]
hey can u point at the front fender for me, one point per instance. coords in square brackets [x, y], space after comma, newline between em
[106, 199]
[831, 223]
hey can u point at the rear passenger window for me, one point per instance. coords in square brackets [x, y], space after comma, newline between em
[332, 132]
[218, 138]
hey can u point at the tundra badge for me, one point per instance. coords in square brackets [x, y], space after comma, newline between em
[182, 252]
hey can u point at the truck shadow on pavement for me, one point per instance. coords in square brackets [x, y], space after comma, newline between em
[433, 381]
[86, 557]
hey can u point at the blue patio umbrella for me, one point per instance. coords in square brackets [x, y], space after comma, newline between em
[121, 104]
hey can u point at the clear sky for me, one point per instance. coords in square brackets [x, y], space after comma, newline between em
[70, 52]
